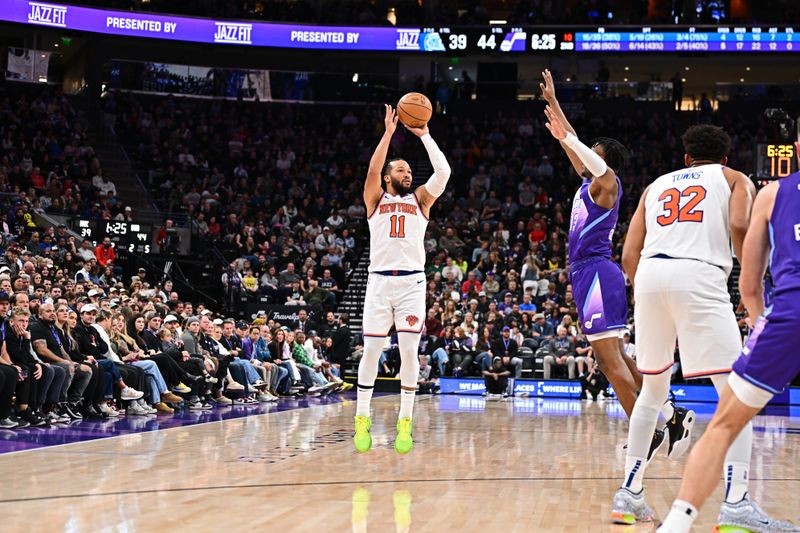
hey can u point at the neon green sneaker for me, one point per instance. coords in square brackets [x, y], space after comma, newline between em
[403, 443]
[362, 439]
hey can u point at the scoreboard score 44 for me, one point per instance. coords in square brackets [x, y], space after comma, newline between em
[775, 161]
[131, 237]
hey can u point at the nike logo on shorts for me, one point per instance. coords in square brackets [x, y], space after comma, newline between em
[420, 281]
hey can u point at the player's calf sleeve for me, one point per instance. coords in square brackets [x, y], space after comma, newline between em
[367, 372]
[735, 470]
[409, 372]
[409, 359]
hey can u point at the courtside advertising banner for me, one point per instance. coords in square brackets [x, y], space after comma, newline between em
[572, 389]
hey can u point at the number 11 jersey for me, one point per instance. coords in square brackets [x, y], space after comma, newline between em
[397, 234]
[686, 215]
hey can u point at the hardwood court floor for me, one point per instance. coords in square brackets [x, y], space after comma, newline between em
[527, 465]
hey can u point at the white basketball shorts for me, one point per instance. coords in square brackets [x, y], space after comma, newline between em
[687, 300]
[398, 300]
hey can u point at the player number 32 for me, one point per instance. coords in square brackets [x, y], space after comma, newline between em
[672, 210]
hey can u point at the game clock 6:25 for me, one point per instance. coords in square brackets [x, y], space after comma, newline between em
[775, 161]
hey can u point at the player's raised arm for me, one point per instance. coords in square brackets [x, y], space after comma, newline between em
[605, 178]
[634, 240]
[372, 185]
[549, 94]
[434, 187]
[741, 203]
[755, 252]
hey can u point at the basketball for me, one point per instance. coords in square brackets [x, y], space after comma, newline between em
[414, 110]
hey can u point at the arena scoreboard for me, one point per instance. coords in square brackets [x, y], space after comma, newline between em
[775, 161]
[130, 237]
[493, 38]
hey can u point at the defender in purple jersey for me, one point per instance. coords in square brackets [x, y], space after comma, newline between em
[597, 282]
[769, 361]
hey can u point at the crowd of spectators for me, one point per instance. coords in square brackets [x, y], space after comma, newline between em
[47, 163]
[78, 347]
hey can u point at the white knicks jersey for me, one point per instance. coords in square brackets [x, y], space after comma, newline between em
[686, 213]
[396, 234]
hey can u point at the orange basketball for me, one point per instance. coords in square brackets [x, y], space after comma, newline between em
[414, 110]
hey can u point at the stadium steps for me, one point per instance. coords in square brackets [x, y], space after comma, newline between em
[353, 300]
[115, 163]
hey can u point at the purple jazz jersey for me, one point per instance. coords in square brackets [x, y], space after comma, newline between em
[599, 290]
[771, 359]
[591, 226]
[597, 282]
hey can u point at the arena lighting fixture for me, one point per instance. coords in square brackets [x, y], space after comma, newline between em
[624, 79]
[683, 80]
[685, 68]
[391, 16]
[627, 68]
[355, 77]
[498, 21]
[747, 69]
[741, 80]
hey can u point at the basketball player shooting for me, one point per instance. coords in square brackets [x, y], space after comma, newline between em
[678, 255]
[597, 282]
[768, 363]
[398, 218]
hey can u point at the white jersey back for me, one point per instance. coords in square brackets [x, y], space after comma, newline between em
[396, 234]
[686, 213]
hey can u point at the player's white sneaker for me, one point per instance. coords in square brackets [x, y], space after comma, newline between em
[628, 508]
[747, 517]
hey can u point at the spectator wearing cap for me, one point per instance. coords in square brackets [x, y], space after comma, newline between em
[562, 354]
[94, 348]
[172, 323]
[491, 286]
[104, 253]
[506, 348]
[324, 240]
[507, 303]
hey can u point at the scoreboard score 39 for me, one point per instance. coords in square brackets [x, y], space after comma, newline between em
[131, 237]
